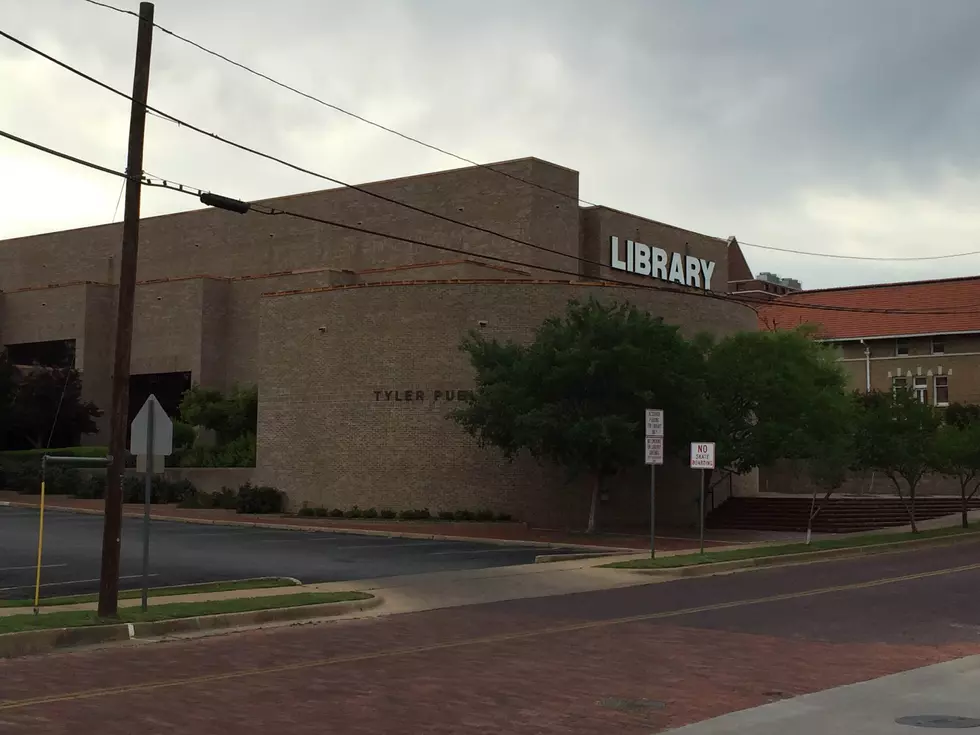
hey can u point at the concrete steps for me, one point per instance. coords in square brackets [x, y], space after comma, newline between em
[837, 515]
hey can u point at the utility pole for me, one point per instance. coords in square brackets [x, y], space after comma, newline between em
[112, 530]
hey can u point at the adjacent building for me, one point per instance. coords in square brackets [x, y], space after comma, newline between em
[922, 335]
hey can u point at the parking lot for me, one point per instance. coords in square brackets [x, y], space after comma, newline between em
[185, 553]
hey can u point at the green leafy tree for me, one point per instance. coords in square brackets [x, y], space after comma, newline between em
[777, 395]
[576, 394]
[47, 403]
[896, 436]
[228, 416]
[957, 452]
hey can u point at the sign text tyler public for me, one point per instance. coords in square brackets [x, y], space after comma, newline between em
[648, 260]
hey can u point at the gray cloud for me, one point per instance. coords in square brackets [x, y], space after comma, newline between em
[832, 126]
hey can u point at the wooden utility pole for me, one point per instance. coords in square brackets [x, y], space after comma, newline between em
[112, 530]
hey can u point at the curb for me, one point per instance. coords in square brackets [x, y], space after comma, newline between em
[334, 529]
[33, 642]
[547, 558]
[808, 557]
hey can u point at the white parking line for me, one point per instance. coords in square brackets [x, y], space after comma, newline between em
[74, 581]
[392, 546]
[32, 567]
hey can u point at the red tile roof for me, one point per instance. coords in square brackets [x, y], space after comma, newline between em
[960, 295]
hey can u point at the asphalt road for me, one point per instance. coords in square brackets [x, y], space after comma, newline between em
[630, 661]
[184, 553]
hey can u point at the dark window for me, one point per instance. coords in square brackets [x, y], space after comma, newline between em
[901, 347]
[54, 353]
[942, 390]
[938, 346]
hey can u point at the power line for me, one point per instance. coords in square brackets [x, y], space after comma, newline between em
[296, 167]
[405, 136]
[859, 257]
[206, 197]
[337, 108]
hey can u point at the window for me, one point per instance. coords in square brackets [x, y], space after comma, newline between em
[942, 390]
[901, 347]
[938, 346]
[899, 384]
[920, 386]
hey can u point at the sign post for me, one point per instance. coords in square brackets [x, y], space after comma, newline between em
[654, 455]
[152, 436]
[702, 458]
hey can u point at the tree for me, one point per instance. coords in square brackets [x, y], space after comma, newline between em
[229, 417]
[575, 395]
[47, 405]
[777, 395]
[956, 452]
[896, 436]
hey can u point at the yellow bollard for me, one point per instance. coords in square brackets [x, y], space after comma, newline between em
[40, 543]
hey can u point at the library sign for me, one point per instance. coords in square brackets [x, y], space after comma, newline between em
[649, 260]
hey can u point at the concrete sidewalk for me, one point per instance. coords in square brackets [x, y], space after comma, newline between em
[938, 695]
[417, 592]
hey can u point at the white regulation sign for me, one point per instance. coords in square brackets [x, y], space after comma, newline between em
[655, 450]
[655, 422]
[702, 455]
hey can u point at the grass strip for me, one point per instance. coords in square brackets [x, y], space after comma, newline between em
[758, 552]
[188, 589]
[170, 611]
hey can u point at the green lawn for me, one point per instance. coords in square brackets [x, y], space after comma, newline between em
[60, 452]
[170, 611]
[190, 589]
[758, 552]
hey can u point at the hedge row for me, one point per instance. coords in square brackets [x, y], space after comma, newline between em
[405, 515]
[25, 478]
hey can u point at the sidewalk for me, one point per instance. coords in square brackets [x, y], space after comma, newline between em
[504, 532]
[418, 592]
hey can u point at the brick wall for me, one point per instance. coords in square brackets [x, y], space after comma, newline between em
[790, 477]
[218, 243]
[327, 437]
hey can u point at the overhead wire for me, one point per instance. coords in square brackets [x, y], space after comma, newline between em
[338, 108]
[314, 98]
[268, 210]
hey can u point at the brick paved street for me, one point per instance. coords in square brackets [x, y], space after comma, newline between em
[581, 663]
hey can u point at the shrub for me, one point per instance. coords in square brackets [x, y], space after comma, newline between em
[91, 487]
[463, 515]
[504, 517]
[388, 513]
[371, 513]
[237, 453]
[259, 499]
[336, 513]
[320, 512]
[483, 515]
[306, 512]
[354, 512]
[446, 515]
[225, 498]
[415, 515]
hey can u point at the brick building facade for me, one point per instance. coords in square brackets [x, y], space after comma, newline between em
[923, 335]
[353, 339]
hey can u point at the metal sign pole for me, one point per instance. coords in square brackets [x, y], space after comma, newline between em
[653, 511]
[704, 481]
[148, 491]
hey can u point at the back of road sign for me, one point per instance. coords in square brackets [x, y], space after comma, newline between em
[163, 430]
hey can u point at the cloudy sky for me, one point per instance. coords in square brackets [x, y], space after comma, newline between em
[826, 125]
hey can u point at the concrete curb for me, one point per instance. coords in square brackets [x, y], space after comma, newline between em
[547, 558]
[334, 529]
[810, 557]
[33, 642]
